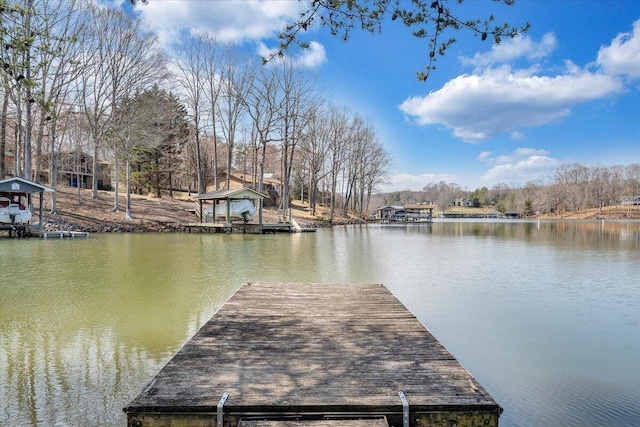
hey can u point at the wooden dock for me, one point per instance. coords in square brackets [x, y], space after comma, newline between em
[313, 355]
[63, 234]
[249, 228]
[19, 230]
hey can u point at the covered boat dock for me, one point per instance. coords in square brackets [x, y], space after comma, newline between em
[16, 205]
[228, 210]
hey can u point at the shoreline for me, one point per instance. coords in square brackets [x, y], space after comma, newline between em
[78, 211]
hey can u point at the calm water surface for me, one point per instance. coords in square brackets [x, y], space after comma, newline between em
[546, 316]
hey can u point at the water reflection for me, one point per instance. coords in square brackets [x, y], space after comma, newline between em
[546, 315]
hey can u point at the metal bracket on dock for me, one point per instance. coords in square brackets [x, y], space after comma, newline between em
[220, 419]
[405, 409]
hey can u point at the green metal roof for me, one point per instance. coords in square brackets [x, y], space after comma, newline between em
[21, 185]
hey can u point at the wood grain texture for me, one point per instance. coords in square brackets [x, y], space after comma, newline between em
[312, 347]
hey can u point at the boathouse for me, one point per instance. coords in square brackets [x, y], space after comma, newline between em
[387, 213]
[419, 212]
[513, 214]
[16, 205]
[408, 213]
[234, 209]
[313, 355]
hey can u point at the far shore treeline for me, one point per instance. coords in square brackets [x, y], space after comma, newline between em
[572, 188]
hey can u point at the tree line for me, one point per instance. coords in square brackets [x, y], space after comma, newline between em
[572, 187]
[78, 77]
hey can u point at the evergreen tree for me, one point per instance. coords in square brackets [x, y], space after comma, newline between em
[162, 131]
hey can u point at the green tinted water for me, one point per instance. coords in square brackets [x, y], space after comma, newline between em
[546, 316]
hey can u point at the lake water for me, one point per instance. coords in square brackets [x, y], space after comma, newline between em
[545, 315]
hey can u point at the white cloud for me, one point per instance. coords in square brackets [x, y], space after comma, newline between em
[520, 166]
[481, 106]
[484, 156]
[314, 56]
[515, 135]
[513, 49]
[405, 181]
[498, 98]
[622, 57]
[517, 155]
[233, 21]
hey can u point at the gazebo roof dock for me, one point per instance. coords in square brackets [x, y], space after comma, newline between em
[229, 210]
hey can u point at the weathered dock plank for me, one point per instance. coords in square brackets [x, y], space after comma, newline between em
[374, 422]
[250, 227]
[313, 350]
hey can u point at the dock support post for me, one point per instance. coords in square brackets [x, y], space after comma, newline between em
[220, 418]
[405, 409]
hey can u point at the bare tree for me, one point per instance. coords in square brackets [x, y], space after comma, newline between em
[369, 166]
[211, 55]
[314, 148]
[60, 70]
[236, 80]
[3, 128]
[353, 166]
[338, 134]
[263, 106]
[376, 173]
[22, 30]
[632, 186]
[193, 63]
[297, 101]
[122, 57]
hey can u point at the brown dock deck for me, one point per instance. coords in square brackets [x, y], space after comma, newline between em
[306, 352]
[250, 227]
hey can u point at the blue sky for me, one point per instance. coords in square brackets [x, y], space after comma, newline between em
[566, 92]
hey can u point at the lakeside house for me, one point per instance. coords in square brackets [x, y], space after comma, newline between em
[75, 168]
[463, 202]
[271, 186]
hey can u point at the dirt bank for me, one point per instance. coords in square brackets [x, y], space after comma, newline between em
[619, 212]
[80, 212]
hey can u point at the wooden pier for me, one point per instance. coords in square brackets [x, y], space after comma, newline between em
[249, 228]
[63, 234]
[313, 355]
[19, 230]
